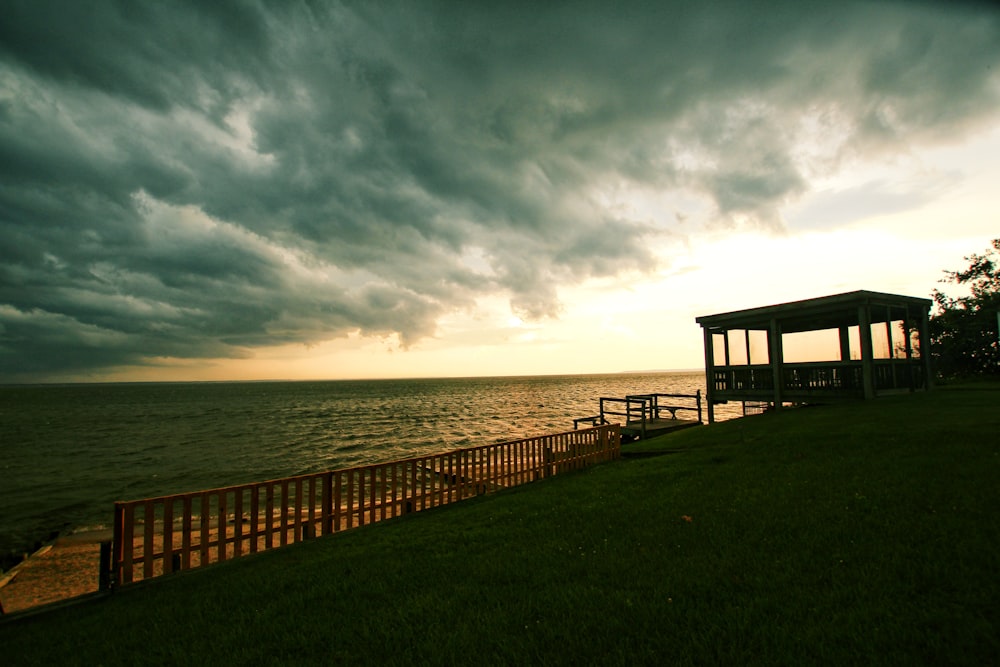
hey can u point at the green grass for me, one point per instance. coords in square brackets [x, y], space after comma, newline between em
[860, 534]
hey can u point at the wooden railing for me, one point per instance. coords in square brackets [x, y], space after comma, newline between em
[157, 536]
[640, 408]
[843, 377]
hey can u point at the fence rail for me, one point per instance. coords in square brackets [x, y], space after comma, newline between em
[156, 536]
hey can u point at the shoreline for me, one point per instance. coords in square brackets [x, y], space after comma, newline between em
[65, 569]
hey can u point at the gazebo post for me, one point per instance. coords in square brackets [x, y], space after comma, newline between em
[867, 361]
[709, 374]
[844, 334]
[892, 349]
[776, 355]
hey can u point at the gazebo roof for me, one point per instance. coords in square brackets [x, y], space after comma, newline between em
[826, 312]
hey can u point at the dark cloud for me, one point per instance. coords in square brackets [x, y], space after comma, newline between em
[195, 180]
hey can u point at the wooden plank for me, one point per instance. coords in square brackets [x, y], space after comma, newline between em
[435, 481]
[393, 498]
[528, 465]
[426, 483]
[499, 467]
[311, 506]
[168, 535]
[223, 522]
[338, 489]
[383, 491]
[410, 486]
[523, 463]
[128, 542]
[361, 497]
[148, 533]
[254, 517]
[467, 475]
[510, 462]
[350, 497]
[505, 463]
[454, 476]
[238, 522]
[534, 467]
[375, 493]
[186, 531]
[297, 518]
[205, 517]
[269, 516]
[422, 468]
[117, 546]
[478, 470]
[283, 537]
[451, 477]
[326, 512]
[404, 488]
[489, 467]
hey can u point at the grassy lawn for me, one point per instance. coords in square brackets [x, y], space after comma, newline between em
[860, 534]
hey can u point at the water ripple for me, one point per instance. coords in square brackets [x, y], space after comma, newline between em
[68, 452]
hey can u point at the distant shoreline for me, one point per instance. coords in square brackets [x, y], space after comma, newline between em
[81, 383]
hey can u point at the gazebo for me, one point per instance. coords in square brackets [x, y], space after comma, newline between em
[856, 345]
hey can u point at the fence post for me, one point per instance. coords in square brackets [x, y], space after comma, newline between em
[327, 510]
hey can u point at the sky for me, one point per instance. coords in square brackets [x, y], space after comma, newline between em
[319, 190]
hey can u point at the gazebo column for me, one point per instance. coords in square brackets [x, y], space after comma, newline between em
[709, 373]
[892, 350]
[842, 371]
[845, 343]
[776, 359]
[867, 361]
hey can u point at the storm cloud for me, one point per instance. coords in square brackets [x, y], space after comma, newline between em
[195, 180]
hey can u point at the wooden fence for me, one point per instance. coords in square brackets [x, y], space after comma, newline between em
[157, 536]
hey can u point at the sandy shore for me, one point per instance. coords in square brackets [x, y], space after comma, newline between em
[63, 570]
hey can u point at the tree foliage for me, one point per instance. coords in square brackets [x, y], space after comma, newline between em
[964, 330]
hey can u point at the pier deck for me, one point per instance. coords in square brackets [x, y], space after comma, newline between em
[643, 414]
[655, 427]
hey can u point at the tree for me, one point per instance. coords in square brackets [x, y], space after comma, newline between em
[964, 330]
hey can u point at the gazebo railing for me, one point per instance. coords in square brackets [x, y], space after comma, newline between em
[834, 378]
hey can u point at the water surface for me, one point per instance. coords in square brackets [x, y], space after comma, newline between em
[67, 452]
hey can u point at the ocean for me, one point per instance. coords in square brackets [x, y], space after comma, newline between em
[67, 452]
